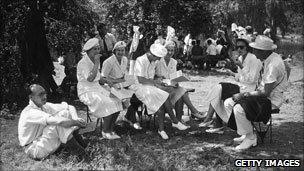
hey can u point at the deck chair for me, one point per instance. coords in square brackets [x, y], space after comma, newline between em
[262, 129]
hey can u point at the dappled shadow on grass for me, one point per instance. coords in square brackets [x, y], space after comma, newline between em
[146, 150]
[193, 149]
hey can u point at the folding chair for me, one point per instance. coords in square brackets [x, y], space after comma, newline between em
[262, 132]
[191, 90]
[88, 113]
[144, 112]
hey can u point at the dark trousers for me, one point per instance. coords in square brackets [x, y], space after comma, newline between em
[131, 112]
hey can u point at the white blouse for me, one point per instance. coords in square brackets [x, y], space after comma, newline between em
[144, 68]
[112, 69]
[162, 69]
[250, 72]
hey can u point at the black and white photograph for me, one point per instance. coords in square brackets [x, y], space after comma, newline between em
[152, 85]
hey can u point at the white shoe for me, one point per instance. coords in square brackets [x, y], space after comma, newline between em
[239, 139]
[247, 143]
[180, 126]
[205, 124]
[163, 134]
[109, 136]
[115, 136]
[137, 126]
[215, 130]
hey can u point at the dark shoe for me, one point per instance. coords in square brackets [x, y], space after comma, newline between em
[79, 139]
[75, 148]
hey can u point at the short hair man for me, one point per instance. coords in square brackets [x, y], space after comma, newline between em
[44, 126]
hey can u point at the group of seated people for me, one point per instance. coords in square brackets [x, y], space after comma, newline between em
[260, 81]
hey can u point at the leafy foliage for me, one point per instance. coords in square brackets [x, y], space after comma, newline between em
[66, 21]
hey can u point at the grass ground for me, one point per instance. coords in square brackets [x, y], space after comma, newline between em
[193, 149]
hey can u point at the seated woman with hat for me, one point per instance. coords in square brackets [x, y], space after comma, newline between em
[114, 70]
[156, 100]
[178, 95]
[92, 94]
[245, 81]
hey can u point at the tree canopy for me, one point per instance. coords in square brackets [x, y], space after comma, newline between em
[65, 22]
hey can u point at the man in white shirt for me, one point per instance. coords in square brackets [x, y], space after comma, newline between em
[44, 126]
[211, 53]
[106, 41]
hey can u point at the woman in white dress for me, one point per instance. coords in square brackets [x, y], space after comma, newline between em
[178, 95]
[146, 90]
[114, 70]
[92, 94]
[246, 79]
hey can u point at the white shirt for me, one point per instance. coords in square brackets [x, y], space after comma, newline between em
[250, 72]
[144, 68]
[274, 72]
[211, 50]
[110, 41]
[162, 69]
[33, 119]
[218, 49]
[112, 69]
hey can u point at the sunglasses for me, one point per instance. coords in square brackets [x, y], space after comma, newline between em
[240, 47]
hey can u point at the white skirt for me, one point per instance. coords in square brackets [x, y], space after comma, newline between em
[101, 105]
[151, 96]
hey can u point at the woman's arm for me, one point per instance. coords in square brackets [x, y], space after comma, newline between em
[94, 71]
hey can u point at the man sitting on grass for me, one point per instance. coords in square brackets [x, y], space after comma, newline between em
[44, 126]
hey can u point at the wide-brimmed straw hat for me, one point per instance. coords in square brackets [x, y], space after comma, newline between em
[263, 43]
[158, 50]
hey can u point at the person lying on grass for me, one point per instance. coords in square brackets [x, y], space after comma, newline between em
[44, 126]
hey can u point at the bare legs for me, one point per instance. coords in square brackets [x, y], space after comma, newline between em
[189, 104]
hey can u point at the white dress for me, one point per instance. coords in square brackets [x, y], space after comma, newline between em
[150, 95]
[164, 70]
[92, 94]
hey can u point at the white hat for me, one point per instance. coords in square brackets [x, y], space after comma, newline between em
[263, 43]
[119, 44]
[90, 44]
[169, 43]
[158, 50]
[244, 37]
[233, 27]
[266, 31]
